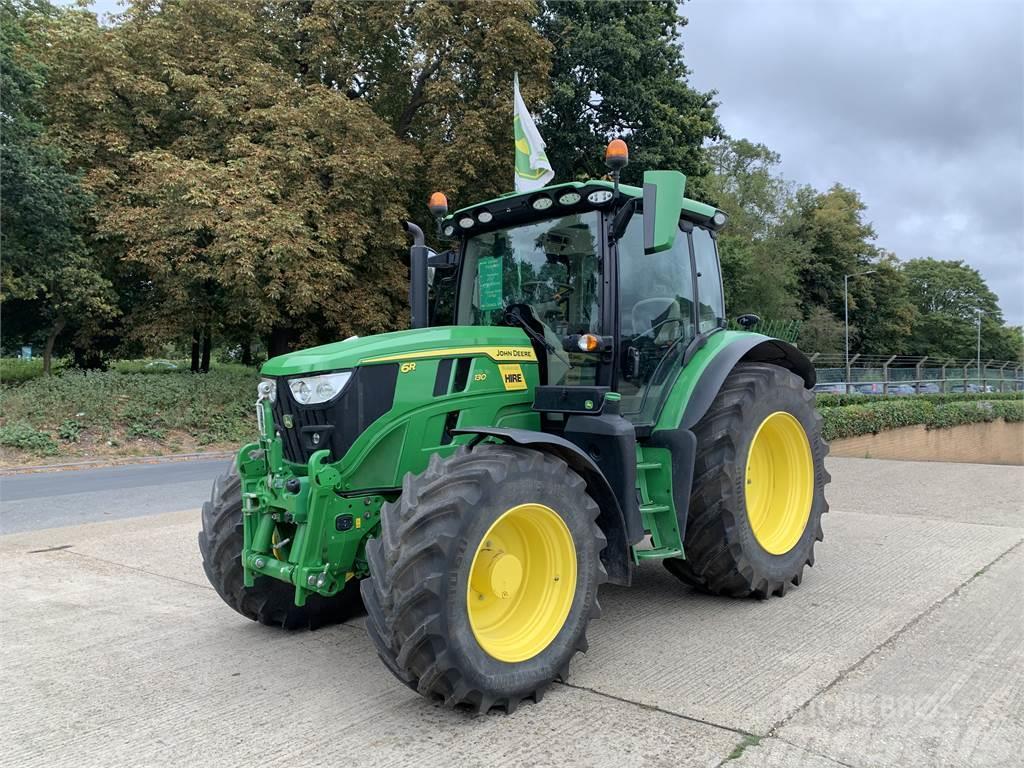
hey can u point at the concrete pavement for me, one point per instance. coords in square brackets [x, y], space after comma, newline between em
[903, 647]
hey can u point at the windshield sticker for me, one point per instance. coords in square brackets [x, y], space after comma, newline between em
[489, 273]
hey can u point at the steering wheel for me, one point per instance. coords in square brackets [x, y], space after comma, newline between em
[663, 305]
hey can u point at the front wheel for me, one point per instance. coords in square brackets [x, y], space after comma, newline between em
[485, 576]
[759, 486]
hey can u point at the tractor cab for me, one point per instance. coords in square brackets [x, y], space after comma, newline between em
[577, 267]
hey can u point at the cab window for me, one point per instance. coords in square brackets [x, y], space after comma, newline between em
[709, 281]
[552, 270]
[656, 319]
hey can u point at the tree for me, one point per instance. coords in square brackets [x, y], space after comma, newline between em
[759, 259]
[882, 315]
[839, 242]
[948, 295]
[617, 70]
[821, 332]
[47, 270]
[247, 199]
[438, 73]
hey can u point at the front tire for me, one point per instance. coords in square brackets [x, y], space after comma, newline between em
[268, 601]
[759, 487]
[485, 576]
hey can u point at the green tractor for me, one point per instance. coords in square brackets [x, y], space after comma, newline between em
[567, 404]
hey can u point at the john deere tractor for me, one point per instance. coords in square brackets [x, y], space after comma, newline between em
[473, 481]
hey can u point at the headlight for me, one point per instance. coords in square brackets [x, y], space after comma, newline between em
[267, 389]
[310, 390]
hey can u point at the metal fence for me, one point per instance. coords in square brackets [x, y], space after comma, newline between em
[907, 375]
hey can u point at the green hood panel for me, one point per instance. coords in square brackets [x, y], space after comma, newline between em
[504, 344]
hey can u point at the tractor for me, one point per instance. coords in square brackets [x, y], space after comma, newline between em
[568, 403]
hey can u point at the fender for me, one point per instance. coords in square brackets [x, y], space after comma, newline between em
[610, 520]
[756, 349]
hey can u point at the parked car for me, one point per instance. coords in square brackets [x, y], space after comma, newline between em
[831, 388]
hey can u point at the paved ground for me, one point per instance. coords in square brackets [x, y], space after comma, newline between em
[903, 647]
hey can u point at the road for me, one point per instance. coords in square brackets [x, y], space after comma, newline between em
[902, 647]
[70, 497]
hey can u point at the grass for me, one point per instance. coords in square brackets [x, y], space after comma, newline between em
[125, 411]
[750, 740]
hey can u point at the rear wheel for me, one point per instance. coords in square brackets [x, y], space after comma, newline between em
[268, 601]
[485, 576]
[758, 490]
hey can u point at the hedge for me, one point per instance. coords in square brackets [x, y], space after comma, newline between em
[877, 416]
[828, 400]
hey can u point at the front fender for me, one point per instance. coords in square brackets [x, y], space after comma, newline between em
[610, 520]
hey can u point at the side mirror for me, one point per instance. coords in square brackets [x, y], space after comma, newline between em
[663, 204]
[748, 321]
[621, 220]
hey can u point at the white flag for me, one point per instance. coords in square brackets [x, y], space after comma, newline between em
[533, 170]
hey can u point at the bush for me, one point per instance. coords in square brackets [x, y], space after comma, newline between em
[14, 370]
[25, 437]
[876, 416]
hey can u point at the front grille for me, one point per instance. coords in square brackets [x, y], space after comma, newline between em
[334, 425]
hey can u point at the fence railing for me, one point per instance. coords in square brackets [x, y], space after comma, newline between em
[907, 375]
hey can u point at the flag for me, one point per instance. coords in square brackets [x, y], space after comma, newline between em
[533, 170]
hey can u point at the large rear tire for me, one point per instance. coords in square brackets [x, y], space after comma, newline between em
[485, 576]
[759, 487]
[268, 601]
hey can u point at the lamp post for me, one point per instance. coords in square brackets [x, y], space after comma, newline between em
[979, 312]
[846, 317]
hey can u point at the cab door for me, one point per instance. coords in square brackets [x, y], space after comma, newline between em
[657, 319]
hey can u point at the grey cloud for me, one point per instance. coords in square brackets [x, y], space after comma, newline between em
[917, 105]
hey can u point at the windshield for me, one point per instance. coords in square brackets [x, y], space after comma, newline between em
[552, 267]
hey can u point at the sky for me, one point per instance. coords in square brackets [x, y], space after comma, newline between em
[917, 104]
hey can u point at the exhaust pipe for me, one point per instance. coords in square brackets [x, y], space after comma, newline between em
[417, 277]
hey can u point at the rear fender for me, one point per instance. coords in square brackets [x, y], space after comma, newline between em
[755, 349]
[610, 520]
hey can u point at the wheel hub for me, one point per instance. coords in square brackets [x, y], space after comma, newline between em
[497, 574]
[522, 582]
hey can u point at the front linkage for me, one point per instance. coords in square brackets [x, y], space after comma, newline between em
[286, 516]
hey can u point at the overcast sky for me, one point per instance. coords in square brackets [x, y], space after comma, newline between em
[917, 104]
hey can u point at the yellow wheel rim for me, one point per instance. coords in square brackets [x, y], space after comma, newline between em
[521, 583]
[779, 483]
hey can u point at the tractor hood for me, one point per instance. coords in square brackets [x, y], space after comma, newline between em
[498, 343]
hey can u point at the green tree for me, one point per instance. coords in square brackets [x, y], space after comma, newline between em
[882, 315]
[47, 270]
[948, 296]
[759, 258]
[617, 70]
[838, 241]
